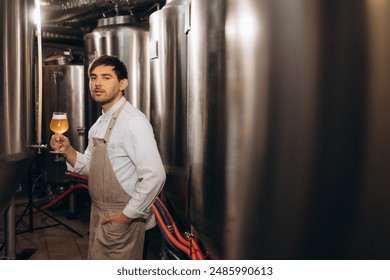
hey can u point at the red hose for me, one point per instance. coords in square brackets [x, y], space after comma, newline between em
[78, 176]
[61, 196]
[196, 252]
[194, 246]
[64, 194]
[175, 228]
[179, 245]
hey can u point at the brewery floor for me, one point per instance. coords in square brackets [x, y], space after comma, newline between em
[46, 239]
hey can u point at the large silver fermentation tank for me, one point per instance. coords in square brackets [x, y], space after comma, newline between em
[168, 54]
[289, 127]
[16, 95]
[126, 38]
[64, 91]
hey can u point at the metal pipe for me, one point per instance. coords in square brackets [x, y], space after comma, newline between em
[10, 232]
[39, 40]
[56, 11]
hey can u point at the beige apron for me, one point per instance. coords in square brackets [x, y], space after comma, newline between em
[112, 240]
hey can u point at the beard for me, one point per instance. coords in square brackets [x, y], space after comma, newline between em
[102, 98]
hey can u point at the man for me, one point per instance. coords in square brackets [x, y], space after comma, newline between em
[123, 165]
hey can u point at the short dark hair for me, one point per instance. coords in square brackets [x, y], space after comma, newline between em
[119, 67]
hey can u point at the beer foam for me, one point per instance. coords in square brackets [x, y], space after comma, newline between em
[59, 117]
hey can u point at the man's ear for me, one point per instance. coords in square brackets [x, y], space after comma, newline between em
[123, 84]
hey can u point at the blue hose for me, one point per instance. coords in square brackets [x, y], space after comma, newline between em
[169, 225]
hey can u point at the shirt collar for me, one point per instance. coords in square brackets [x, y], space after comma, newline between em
[107, 115]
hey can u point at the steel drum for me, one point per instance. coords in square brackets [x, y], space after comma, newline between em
[16, 92]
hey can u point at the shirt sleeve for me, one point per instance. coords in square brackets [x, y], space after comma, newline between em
[81, 165]
[140, 144]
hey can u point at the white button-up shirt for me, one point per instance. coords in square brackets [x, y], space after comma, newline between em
[133, 154]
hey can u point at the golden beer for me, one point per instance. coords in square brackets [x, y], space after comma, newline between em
[59, 123]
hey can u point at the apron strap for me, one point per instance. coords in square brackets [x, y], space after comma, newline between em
[112, 122]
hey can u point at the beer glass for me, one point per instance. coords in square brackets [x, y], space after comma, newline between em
[59, 124]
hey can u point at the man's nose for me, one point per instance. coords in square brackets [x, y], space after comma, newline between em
[98, 82]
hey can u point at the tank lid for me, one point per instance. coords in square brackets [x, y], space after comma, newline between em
[59, 58]
[117, 20]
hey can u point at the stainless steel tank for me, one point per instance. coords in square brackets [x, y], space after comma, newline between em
[64, 91]
[168, 54]
[16, 95]
[288, 126]
[126, 38]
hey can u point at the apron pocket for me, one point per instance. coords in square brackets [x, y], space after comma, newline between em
[114, 231]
